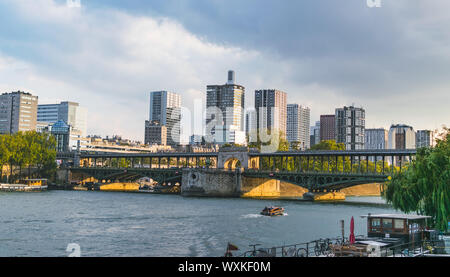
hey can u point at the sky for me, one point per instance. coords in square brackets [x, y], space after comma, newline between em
[108, 55]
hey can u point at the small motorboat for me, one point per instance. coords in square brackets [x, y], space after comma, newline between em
[272, 211]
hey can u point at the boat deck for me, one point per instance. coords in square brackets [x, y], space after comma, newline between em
[21, 188]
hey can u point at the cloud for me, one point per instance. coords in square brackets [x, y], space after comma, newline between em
[114, 60]
[108, 55]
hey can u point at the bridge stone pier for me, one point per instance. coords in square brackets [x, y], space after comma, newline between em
[211, 182]
[226, 183]
[227, 179]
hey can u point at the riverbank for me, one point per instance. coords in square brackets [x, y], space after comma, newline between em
[119, 187]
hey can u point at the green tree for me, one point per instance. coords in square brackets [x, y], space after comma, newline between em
[45, 155]
[424, 187]
[29, 149]
[283, 144]
[4, 152]
[296, 145]
[328, 145]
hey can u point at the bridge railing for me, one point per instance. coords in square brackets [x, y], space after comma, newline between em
[335, 164]
[315, 248]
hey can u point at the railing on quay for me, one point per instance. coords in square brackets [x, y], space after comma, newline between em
[324, 248]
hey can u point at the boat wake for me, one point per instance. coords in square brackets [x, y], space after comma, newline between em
[258, 215]
[252, 216]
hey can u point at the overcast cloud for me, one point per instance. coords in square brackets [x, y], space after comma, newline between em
[108, 55]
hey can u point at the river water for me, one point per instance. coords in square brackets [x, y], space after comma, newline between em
[149, 225]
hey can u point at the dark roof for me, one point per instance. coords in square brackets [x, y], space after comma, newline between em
[398, 216]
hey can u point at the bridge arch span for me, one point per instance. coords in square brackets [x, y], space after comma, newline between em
[319, 182]
[233, 160]
[232, 163]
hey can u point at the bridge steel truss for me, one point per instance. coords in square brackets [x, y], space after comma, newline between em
[330, 170]
[150, 160]
[352, 158]
[314, 170]
[166, 175]
[317, 181]
[161, 167]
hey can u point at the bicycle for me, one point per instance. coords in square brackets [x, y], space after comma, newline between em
[257, 252]
[322, 246]
[342, 241]
[326, 249]
[302, 252]
[290, 252]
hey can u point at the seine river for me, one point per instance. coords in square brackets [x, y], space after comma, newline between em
[148, 225]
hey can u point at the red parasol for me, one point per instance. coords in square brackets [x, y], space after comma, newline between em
[352, 231]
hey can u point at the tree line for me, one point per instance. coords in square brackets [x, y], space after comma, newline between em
[424, 187]
[35, 152]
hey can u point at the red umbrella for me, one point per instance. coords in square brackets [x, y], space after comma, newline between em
[352, 231]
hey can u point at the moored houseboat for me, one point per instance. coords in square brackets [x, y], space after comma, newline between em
[26, 185]
[394, 235]
[388, 235]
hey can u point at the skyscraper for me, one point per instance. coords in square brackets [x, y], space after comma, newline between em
[271, 110]
[18, 112]
[314, 134]
[376, 139]
[350, 127]
[165, 110]
[155, 133]
[328, 127]
[250, 122]
[228, 102]
[401, 136]
[69, 112]
[424, 138]
[298, 120]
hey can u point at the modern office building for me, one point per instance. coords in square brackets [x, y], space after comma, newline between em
[401, 137]
[229, 134]
[18, 112]
[225, 112]
[424, 138]
[155, 133]
[350, 127]
[271, 110]
[328, 127]
[298, 120]
[43, 127]
[376, 139]
[165, 110]
[69, 112]
[196, 140]
[61, 131]
[250, 121]
[315, 134]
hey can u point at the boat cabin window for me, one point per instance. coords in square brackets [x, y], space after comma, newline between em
[399, 224]
[396, 225]
[375, 224]
[387, 223]
[414, 228]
